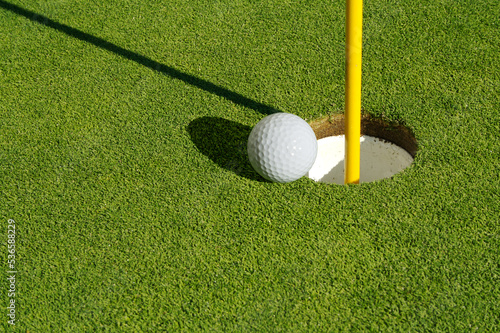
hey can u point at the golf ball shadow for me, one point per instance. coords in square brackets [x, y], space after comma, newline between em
[225, 143]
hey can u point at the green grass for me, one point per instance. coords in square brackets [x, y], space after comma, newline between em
[123, 163]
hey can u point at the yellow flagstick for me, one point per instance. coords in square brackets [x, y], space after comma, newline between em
[354, 23]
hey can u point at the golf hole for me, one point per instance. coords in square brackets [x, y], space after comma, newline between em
[386, 149]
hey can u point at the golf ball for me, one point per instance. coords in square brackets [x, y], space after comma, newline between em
[282, 147]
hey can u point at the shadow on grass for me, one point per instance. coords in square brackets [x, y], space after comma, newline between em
[140, 59]
[225, 143]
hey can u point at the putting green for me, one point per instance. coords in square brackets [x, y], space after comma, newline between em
[123, 164]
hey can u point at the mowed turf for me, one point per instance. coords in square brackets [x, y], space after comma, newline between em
[123, 128]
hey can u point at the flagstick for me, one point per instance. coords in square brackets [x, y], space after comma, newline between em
[354, 21]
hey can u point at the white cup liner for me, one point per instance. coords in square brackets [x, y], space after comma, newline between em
[379, 159]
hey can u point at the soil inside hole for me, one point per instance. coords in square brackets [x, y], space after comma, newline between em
[376, 127]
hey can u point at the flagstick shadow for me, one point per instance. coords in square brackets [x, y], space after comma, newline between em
[142, 60]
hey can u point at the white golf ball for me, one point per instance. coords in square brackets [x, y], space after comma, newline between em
[282, 147]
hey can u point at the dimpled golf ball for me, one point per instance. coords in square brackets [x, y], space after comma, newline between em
[282, 147]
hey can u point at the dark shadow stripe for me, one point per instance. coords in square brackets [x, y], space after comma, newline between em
[140, 59]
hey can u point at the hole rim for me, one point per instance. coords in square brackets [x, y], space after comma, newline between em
[393, 132]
